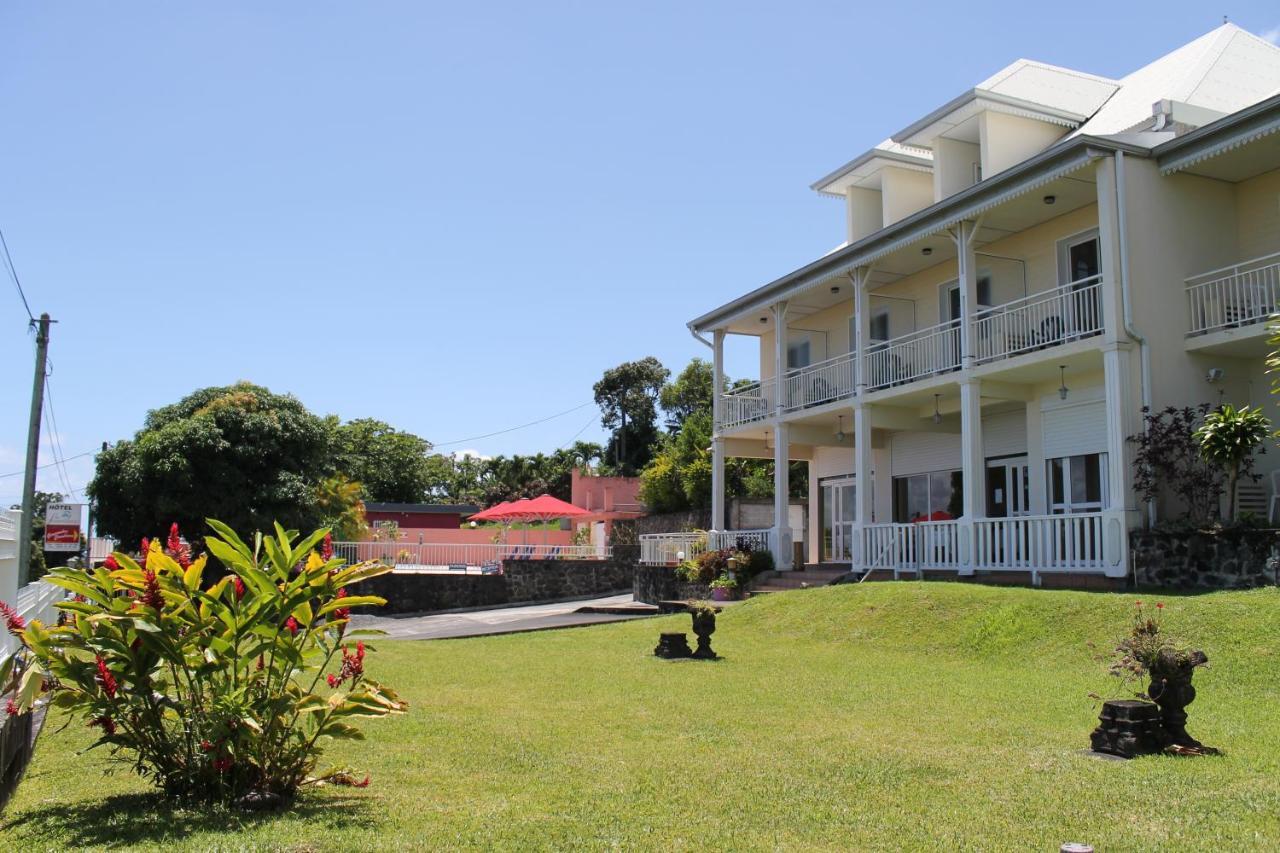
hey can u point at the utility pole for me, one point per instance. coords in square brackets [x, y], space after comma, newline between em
[33, 453]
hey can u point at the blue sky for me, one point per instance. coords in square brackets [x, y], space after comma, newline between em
[452, 217]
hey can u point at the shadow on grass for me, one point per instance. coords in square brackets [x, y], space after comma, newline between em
[125, 819]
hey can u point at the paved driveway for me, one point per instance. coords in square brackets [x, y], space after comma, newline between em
[502, 620]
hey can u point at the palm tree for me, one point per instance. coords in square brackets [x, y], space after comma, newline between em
[1228, 438]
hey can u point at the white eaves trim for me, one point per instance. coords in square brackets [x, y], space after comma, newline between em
[1233, 131]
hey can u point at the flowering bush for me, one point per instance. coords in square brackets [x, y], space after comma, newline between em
[216, 693]
[1148, 651]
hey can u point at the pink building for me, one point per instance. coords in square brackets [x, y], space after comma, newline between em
[608, 499]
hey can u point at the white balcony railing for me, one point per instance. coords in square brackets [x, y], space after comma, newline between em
[747, 404]
[662, 549]
[913, 356]
[1047, 543]
[1234, 296]
[1040, 320]
[820, 383]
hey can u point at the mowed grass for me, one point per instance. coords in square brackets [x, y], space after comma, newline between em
[882, 716]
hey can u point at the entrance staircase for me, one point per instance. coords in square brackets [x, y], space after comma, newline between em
[812, 575]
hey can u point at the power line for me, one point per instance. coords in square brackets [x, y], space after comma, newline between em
[50, 464]
[578, 433]
[13, 274]
[514, 428]
[56, 444]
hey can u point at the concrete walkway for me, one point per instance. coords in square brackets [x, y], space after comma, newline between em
[502, 620]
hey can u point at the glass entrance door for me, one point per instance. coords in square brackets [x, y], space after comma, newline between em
[837, 519]
[1008, 487]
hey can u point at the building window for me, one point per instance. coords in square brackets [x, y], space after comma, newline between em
[798, 354]
[1077, 483]
[936, 496]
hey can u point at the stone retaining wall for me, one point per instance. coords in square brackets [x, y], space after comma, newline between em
[659, 583]
[521, 582]
[1236, 558]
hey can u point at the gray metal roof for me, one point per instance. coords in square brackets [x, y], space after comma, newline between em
[424, 509]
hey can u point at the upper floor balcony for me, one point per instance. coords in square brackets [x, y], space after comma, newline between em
[1235, 297]
[1019, 327]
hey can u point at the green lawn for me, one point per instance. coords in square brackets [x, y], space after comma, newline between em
[895, 715]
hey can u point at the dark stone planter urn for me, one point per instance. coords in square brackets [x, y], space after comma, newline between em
[704, 625]
[1172, 690]
[673, 645]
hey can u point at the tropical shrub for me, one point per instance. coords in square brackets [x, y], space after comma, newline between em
[228, 692]
[724, 582]
[1228, 438]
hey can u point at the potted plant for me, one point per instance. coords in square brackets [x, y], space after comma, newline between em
[723, 588]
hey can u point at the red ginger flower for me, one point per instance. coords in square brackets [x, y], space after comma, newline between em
[106, 679]
[342, 612]
[332, 679]
[110, 563]
[239, 585]
[175, 538]
[108, 725]
[146, 549]
[206, 746]
[11, 708]
[15, 623]
[261, 662]
[152, 597]
[326, 550]
[352, 666]
[291, 625]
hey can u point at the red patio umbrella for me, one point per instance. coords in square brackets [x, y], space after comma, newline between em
[542, 508]
[493, 513]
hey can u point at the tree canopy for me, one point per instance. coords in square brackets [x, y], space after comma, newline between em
[628, 398]
[238, 453]
[689, 392]
[390, 466]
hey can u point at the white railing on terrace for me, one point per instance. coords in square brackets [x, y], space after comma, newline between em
[659, 549]
[1040, 320]
[909, 357]
[916, 545]
[820, 383]
[747, 404]
[408, 556]
[1239, 295]
[1044, 543]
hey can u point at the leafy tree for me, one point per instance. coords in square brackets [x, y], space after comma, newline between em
[240, 453]
[689, 392]
[1228, 438]
[341, 509]
[389, 465]
[627, 396]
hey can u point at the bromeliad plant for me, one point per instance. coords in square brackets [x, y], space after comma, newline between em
[227, 692]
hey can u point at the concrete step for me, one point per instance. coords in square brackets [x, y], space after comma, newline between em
[632, 609]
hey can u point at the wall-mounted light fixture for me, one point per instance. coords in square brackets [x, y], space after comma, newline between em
[937, 414]
[1215, 374]
[1063, 390]
[839, 427]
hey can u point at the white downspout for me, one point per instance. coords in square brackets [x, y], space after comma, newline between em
[700, 338]
[1144, 351]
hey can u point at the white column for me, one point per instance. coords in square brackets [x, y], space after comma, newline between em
[967, 270]
[862, 318]
[781, 496]
[717, 483]
[973, 463]
[864, 509]
[717, 443]
[1036, 477]
[1116, 365]
[779, 356]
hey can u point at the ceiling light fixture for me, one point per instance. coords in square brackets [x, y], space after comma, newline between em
[1050, 199]
[937, 415]
[1063, 390]
[927, 251]
[764, 319]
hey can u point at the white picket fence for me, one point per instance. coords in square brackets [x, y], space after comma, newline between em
[33, 601]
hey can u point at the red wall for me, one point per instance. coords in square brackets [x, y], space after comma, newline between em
[418, 520]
